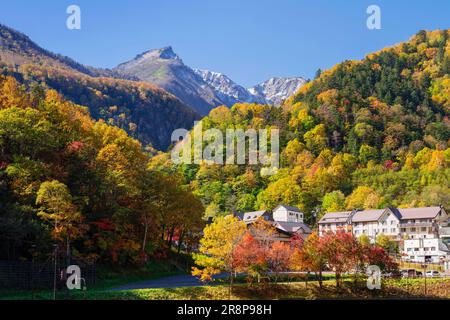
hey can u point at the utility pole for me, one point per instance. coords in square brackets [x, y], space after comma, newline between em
[55, 270]
[424, 266]
[33, 246]
[55, 253]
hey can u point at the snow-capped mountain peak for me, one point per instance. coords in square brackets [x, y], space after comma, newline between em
[226, 89]
[202, 89]
[272, 91]
[277, 89]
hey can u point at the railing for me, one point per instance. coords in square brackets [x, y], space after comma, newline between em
[416, 224]
[444, 231]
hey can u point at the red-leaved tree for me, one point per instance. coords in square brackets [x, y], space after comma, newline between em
[341, 251]
[250, 257]
[279, 257]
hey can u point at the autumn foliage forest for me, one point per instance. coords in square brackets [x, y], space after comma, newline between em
[131, 105]
[229, 246]
[364, 134]
[83, 184]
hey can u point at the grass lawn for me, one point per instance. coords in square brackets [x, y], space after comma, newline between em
[110, 278]
[107, 278]
[392, 289]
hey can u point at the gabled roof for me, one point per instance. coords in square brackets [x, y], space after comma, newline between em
[368, 215]
[417, 213]
[443, 246]
[292, 227]
[252, 216]
[209, 220]
[336, 217]
[289, 208]
[239, 215]
[376, 215]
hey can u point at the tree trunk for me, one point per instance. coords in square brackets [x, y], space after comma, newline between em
[144, 241]
[355, 278]
[180, 242]
[338, 279]
[163, 232]
[172, 231]
[68, 249]
[320, 279]
[231, 285]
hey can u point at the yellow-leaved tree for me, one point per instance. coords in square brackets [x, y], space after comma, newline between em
[56, 205]
[217, 248]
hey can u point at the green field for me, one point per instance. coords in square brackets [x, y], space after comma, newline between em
[392, 289]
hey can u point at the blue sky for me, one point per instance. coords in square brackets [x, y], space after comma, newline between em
[249, 40]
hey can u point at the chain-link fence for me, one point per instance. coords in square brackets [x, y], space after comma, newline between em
[41, 275]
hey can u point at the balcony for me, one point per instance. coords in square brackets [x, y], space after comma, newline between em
[416, 224]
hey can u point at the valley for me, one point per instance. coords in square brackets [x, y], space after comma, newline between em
[87, 173]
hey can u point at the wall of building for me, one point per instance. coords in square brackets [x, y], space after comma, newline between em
[418, 249]
[284, 215]
[388, 225]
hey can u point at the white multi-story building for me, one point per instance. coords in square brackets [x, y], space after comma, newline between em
[335, 221]
[420, 232]
[287, 214]
[287, 220]
[368, 222]
[425, 250]
[421, 223]
[375, 222]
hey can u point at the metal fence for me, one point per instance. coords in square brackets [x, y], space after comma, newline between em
[41, 275]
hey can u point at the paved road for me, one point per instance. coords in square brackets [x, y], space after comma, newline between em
[184, 280]
[166, 282]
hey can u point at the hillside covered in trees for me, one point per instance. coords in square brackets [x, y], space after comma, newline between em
[67, 179]
[364, 134]
[145, 111]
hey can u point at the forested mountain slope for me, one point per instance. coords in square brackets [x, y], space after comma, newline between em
[68, 179]
[145, 111]
[365, 134]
